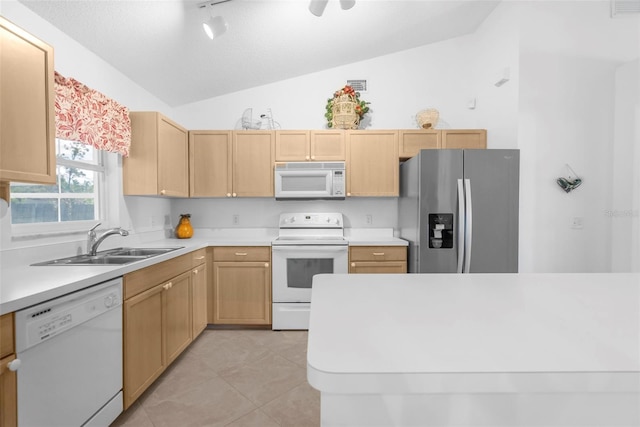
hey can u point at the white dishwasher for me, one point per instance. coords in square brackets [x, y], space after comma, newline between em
[70, 352]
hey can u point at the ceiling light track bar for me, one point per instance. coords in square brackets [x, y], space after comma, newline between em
[211, 3]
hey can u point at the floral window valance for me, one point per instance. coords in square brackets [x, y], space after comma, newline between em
[88, 116]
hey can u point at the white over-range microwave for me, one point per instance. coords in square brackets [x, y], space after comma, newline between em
[310, 180]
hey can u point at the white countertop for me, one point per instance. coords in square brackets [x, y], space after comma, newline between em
[484, 332]
[23, 285]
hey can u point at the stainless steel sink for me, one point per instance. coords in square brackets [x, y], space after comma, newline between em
[139, 252]
[119, 256]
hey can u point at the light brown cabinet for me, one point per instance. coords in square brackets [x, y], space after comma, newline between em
[377, 259]
[372, 163]
[27, 134]
[157, 322]
[199, 291]
[253, 158]
[413, 140]
[464, 138]
[210, 163]
[231, 164]
[8, 378]
[314, 145]
[158, 162]
[242, 285]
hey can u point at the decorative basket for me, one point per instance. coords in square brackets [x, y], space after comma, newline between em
[344, 113]
[428, 119]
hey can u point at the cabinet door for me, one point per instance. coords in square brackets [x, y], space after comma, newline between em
[8, 393]
[328, 145]
[199, 299]
[393, 267]
[143, 352]
[412, 141]
[464, 138]
[372, 163]
[173, 159]
[242, 293]
[6, 335]
[177, 315]
[292, 146]
[210, 164]
[27, 134]
[253, 156]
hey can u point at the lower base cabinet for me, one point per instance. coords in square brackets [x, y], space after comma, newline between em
[242, 285]
[8, 378]
[377, 259]
[163, 304]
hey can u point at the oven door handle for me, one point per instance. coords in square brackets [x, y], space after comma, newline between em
[323, 249]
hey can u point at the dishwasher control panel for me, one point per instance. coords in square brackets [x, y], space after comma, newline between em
[39, 323]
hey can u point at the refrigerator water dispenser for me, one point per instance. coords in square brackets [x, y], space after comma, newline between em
[440, 231]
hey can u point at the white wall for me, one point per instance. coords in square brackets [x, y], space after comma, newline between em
[623, 213]
[567, 109]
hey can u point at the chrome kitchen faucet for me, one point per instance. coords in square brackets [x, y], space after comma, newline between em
[93, 242]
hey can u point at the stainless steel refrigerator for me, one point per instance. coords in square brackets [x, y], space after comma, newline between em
[459, 211]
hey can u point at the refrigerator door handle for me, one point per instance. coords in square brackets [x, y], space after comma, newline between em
[461, 221]
[468, 225]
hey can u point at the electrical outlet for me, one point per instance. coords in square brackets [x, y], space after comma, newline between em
[236, 219]
[369, 219]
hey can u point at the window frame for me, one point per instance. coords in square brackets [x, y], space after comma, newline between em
[101, 173]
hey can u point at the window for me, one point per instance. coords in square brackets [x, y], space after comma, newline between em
[73, 200]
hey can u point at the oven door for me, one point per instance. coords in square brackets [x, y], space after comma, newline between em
[294, 266]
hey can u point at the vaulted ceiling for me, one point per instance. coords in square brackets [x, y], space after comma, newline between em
[161, 45]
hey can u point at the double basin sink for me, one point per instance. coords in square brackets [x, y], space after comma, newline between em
[118, 256]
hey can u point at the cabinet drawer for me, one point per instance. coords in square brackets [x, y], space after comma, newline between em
[6, 335]
[377, 253]
[198, 257]
[242, 253]
[146, 278]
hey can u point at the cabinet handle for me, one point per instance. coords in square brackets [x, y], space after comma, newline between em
[353, 264]
[163, 192]
[266, 264]
[378, 253]
[200, 257]
[228, 194]
[348, 194]
[313, 157]
[241, 254]
[234, 194]
[306, 158]
[168, 286]
[195, 271]
[14, 365]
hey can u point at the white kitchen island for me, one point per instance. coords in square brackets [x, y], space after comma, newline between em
[476, 350]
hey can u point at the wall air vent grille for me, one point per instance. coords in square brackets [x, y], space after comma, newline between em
[358, 85]
[624, 8]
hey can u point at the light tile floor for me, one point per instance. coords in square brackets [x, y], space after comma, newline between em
[233, 378]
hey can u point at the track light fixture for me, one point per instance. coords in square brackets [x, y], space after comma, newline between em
[214, 26]
[317, 7]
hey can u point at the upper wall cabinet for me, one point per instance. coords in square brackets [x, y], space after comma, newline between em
[315, 145]
[464, 138]
[27, 115]
[372, 163]
[158, 162]
[414, 140]
[210, 163]
[253, 158]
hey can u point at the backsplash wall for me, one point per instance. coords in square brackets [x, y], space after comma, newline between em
[265, 212]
